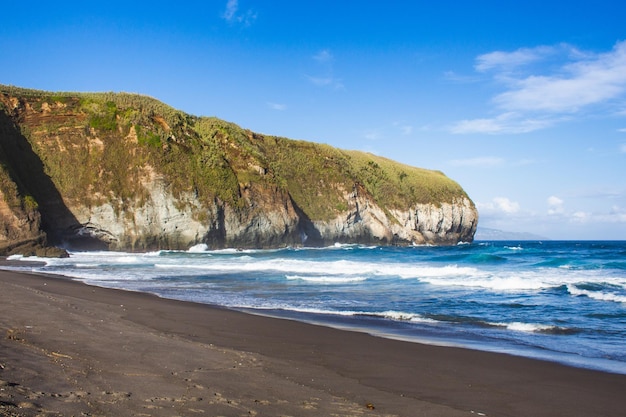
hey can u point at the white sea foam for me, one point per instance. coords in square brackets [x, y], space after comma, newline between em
[337, 271]
[507, 280]
[391, 315]
[86, 265]
[341, 268]
[525, 327]
[201, 247]
[129, 259]
[429, 272]
[328, 279]
[492, 282]
[296, 267]
[402, 316]
[338, 245]
[319, 311]
[596, 295]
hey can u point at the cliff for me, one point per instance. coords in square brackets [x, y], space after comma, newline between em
[127, 172]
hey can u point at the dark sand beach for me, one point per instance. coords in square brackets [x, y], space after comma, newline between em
[70, 349]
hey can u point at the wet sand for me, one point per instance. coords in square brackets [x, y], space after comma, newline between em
[70, 349]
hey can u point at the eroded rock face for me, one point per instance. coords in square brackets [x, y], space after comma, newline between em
[444, 224]
[164, 226]
[16, 223]
[273, 221]
[162, 221]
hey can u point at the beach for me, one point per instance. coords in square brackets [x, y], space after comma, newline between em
[68, 348]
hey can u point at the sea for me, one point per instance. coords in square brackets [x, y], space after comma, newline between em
[561, 301]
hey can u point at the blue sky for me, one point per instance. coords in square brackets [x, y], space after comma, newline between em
[522, 103]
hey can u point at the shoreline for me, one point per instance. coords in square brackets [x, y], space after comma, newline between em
[68, 347]
[423, 335]
[430, 338]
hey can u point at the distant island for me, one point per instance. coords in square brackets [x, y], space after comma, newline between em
[484, 233]
[122, 171]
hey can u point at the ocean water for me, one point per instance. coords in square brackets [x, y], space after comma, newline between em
[560, 301]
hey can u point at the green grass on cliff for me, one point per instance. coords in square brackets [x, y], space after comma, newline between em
[100, 147]
[316, 175]
[396, 185]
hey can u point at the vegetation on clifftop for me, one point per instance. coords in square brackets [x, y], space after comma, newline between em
[396, 185]
[102, 147]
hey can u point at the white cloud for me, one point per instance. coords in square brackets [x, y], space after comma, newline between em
[554, 201]
[623, 148]
[565, 96]
[233, 15]
[510, 60]
[581, 217]
[556, 210]
[231, 9]
[276, 106]
[623, 130]
[573, 82]
[481, 162]
[617, 215]
[506, 205]
[510, 122]
[499, 205]
[555, 205]
[579, 84]
[557, 222]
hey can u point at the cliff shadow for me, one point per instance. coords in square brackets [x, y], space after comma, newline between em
[216, 236]
[28, 172]
[308, 234]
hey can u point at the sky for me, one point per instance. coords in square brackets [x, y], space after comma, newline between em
[522, 103]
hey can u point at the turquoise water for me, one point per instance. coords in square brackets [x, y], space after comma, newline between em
[561, 301]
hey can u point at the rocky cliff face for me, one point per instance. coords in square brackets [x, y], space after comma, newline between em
[367, 222]
[125, 172]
